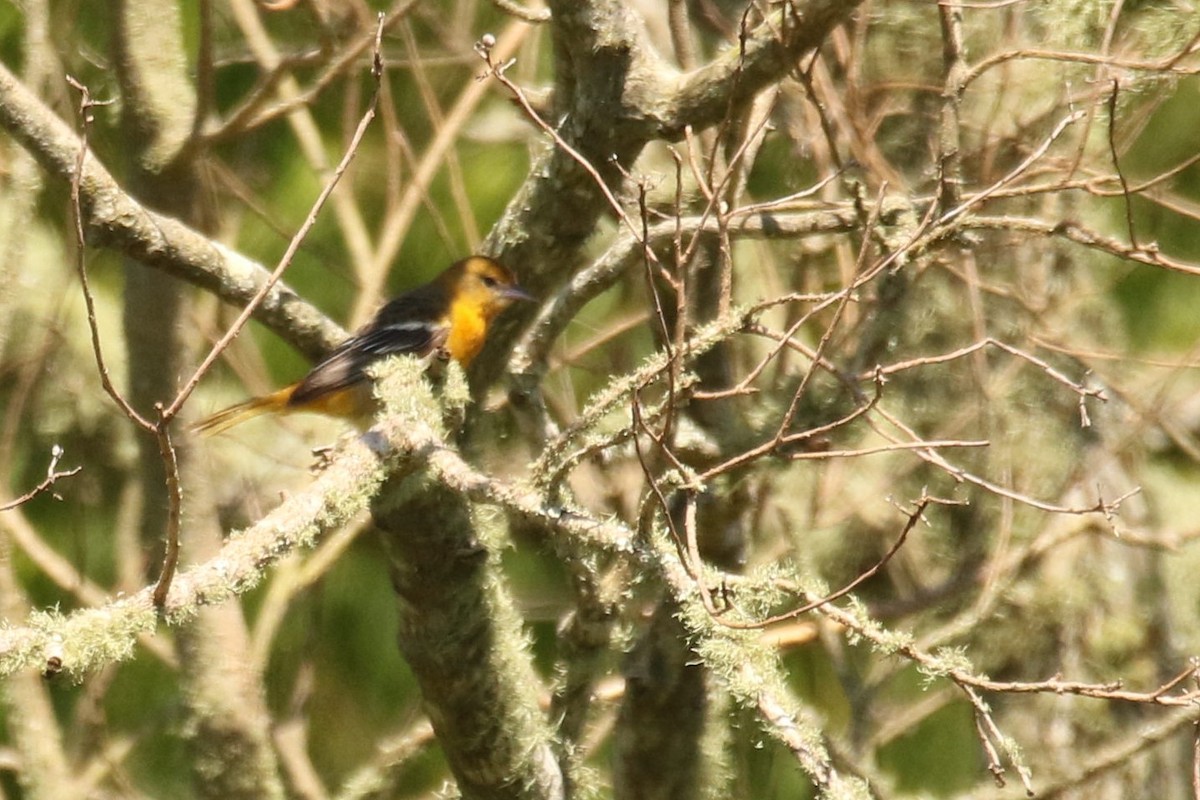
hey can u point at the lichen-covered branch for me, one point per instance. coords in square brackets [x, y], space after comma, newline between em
[114, 219]
[612, 97]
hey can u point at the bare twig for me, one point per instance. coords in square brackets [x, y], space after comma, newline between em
[293, 246]
[921, 504]
[496, 69]
[86, 104]
[1112, 148]
[53, 475]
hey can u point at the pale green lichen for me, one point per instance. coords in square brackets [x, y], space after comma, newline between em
[89, 639]
[404, 390]
[614, 399]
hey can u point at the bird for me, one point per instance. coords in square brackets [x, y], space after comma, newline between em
[449, 315]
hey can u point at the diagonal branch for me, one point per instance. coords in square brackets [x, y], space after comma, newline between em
[116, 220]
[612, 97]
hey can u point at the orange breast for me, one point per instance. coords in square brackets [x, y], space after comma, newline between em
[467, 332]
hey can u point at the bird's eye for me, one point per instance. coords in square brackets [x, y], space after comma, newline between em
[488, 281]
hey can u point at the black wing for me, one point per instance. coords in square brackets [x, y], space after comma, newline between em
[409, 324]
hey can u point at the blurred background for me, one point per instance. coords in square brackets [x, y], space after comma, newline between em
[1008, 189]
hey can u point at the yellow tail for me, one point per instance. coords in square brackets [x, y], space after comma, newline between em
[227, 418]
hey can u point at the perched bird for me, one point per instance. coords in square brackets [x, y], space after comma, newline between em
[450, 314]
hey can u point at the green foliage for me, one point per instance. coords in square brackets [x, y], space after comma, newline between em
[937, 756]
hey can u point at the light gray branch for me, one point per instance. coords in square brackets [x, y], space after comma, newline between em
[612, 96]
[116, 220]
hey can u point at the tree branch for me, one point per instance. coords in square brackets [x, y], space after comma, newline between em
[116, 220]
[612, 97]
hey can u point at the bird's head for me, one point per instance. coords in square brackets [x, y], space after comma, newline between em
[485, 284]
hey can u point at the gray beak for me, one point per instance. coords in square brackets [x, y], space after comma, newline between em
[515, 292]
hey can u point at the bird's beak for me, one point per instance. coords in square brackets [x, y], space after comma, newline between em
[515, 292]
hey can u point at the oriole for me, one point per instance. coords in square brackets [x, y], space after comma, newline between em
[450, 314]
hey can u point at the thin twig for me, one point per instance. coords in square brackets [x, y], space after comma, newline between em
[294, 245]
[374, 272]
[158, 429]
[1051, 372]
[250, 114]
[827, 335]
[1112, 148]
[86, 104]
[53, 475]
[497, 69]
[921, 504]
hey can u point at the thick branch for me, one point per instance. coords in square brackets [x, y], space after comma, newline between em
[530, 357]
[460, 633]
[91, 638]
[116, 220]
[704, 97]
[225, 704]
[612, 97]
